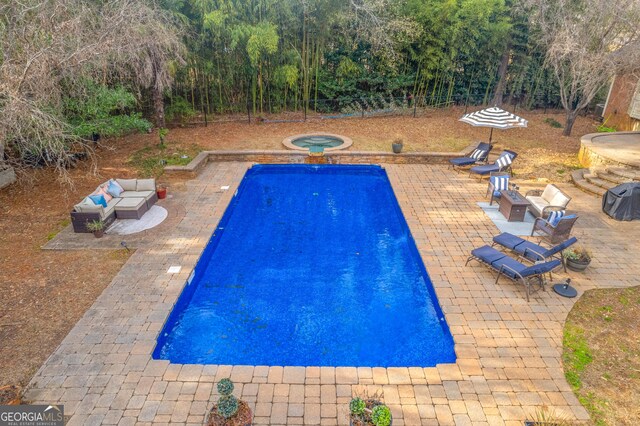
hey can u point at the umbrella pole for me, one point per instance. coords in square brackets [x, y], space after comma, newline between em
[490, 135]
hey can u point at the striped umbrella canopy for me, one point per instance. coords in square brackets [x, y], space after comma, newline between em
[495, 118]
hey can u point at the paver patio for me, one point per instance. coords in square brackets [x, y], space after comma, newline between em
[508, 350]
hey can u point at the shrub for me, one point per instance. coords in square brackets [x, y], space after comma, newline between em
[381, 415]
[180, 109]
[95, 225]
[228, 406]
[225, 387]
[553, 122]
[577, 254]
[357, 406]
[606, 129]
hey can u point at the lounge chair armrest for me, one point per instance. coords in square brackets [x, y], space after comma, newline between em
[530, 250]
[534, 192]
[516, 273]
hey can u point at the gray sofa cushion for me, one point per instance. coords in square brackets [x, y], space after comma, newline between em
[146, 185]
[137, 194]
[128, 184]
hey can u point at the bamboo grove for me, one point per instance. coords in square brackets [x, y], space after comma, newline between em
[273, 56]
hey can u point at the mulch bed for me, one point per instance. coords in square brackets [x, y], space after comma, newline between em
[242, 417]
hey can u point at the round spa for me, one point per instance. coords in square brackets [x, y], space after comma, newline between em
[314, 141]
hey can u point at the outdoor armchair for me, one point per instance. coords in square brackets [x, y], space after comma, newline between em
[557, 233]
[512, 269]
[478, 155]
[498, 181]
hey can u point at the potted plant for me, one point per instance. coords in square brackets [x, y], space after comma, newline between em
[369, 412]
[229, 411]
[577, 258]
[97, 227]
[162, 192]
[397, 144]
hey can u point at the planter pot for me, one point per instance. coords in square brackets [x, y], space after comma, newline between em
[98, 234]
[576, 265]
[162, 193]
[396, 147]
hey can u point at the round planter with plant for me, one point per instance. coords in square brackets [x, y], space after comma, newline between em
[369, 412]
[97, 227]
[229, 411]
[577, 258]
[397, 145]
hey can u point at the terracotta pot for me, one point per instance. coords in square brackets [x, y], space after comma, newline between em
[162, 193]
[98, 234]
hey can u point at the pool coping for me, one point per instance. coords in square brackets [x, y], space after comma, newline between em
[508, 350]
[198, 163]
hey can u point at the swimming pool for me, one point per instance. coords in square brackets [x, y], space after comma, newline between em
[309, 266]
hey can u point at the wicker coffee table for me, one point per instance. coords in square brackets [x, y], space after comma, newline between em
[513, 205]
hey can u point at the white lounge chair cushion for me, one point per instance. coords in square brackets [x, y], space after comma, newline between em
[110, 206]
[130, 204]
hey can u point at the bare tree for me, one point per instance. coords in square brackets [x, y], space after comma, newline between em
[50, 47]
[587, 42]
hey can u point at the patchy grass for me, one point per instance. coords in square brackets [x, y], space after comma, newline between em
[150, 160]
[601, 354]
[553, 123]
[59, 227]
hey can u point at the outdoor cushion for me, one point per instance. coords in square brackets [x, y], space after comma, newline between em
[137, 194]
[508, 240]
[537, 203]
[486, 169]
[87, 206]
[130, 203]
[463, 161]
[111, 205]
[511, 263]
[549, 192]
[102, 191]
[477, 153]
[114, 188]
[504, 160]
[555, 216]
[98, 200]
[146, 185]
[127, 184]
[559, 200]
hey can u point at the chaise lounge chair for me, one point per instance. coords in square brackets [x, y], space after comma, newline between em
[502, 164]
[513, 269]
[532, 251]
[479, 155]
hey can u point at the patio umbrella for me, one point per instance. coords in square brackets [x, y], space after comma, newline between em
[495, 118]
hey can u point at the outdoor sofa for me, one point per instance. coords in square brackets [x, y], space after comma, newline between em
[115, 198]
[545, 201]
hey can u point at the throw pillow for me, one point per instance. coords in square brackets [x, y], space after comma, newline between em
[98, 200]
[114, 188]
[555, 216]
[104, 192]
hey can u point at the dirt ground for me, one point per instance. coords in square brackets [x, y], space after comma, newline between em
[44, 293]
[607, 322]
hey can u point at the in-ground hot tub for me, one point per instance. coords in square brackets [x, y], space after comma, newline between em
[326, 141]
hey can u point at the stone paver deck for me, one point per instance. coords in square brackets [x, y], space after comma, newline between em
[508, 350]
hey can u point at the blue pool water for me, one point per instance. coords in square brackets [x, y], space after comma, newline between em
[309, 266]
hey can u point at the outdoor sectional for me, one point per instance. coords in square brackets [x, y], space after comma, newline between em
[138, 197]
